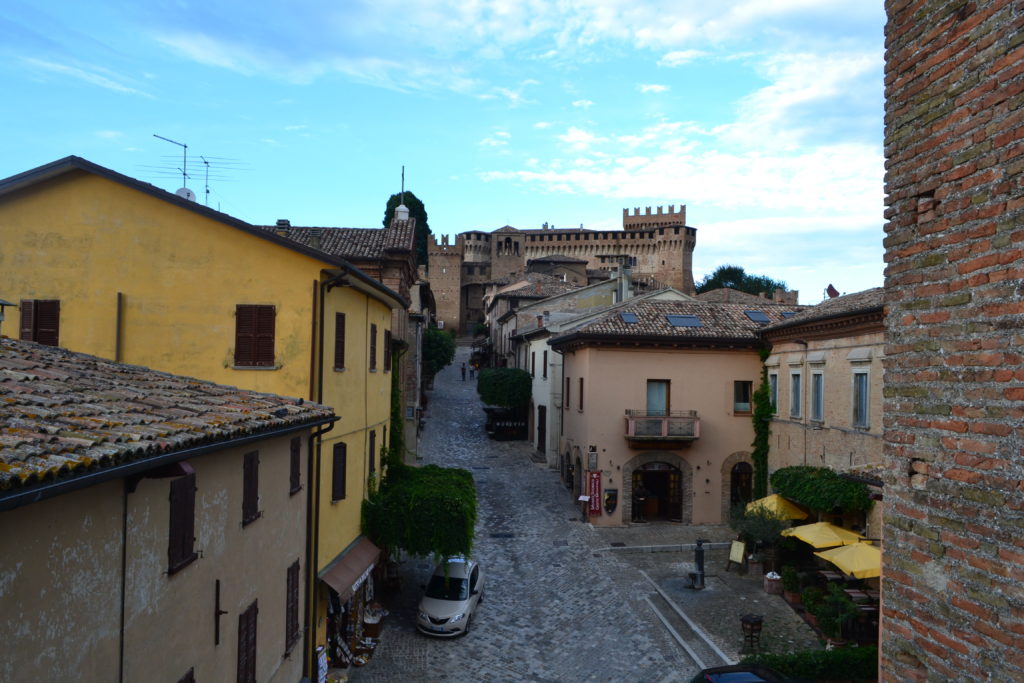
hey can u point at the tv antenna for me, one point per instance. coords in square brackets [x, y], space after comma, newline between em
[184, 158]
[207, 182]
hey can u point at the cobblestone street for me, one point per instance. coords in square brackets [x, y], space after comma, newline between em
[563, 600]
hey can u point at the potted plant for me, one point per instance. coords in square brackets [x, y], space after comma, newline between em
[835, 611]
[791, 585]
[812, 597]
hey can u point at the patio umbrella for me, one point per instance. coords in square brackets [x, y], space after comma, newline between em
[823, 534]
[861, 560]
[778, 506]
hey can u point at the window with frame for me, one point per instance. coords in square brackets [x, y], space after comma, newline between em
[773, 391]
[247, 644]
[40, 321]
[339, 341]
[291, 612]
[181, 536]
[581, 395]
[795, 379]
[254, 335]
[544, 366]
[567, 403]
[741, 391]
[339, 462]
[533, 363]
[250, 487]
[657, 397]
[295, 466]
[860, 399]
[817, 396]
[387, 350]
[373, 347]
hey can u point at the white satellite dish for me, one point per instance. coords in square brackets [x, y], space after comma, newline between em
[187, 194]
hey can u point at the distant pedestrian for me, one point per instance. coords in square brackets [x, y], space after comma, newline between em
[640, 496]
[472, 371]
[463, 372]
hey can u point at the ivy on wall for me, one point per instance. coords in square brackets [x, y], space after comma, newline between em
[821, 489]
[762, 417]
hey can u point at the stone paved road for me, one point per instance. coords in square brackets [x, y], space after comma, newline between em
[560, 606]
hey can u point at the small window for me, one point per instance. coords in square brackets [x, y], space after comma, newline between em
[533, 363]
[339, 341]
[741, 396]
[254, 335]
[629, 318]
[339, 463]
[291, 610]
[181, 538]
[373, 347]
[40, 321]
[295, 469]
[683, 320]
[817, 396]
[387, 350]
[581, 394]
[247, 644]
[860, 400]
[250, 487]
[794, 394]
[567, 404]
[788, 314]
[544, 365]
[758, 317]
[773, 391]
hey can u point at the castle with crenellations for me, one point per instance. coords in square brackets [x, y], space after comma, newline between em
[657, 246]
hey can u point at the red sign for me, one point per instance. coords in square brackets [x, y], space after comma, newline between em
[595, 493]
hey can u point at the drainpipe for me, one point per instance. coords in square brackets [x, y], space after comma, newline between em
[312, 545]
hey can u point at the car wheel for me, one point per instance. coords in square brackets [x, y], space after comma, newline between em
[480, 601]
[465, 629]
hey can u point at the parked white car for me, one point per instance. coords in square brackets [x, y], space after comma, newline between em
[455, 590]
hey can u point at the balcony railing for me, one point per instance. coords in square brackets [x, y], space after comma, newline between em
[676, 425]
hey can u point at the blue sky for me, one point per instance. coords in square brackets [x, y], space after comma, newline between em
[763, 117]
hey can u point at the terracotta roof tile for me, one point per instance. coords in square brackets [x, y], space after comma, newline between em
[351, 243]
[63, 414]
[858, 302]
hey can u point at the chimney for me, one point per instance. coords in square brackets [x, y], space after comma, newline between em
[314, 237]
[283, 226]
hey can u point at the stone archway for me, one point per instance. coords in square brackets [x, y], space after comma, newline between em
[651, 458]
[727, 484]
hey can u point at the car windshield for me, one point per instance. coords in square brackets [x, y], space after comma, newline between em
[447, 589]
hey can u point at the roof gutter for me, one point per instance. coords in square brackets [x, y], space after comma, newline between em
[14, 498]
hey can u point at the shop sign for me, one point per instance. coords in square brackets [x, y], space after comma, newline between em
[595, 493]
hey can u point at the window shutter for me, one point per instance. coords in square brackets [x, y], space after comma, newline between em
[250, 487]
[245, 335]
[265, 330]
[181, 536]
[48, 322]
[339, 341]
[247, 644]
[295, 474]
[28, 318]
[291, 616]
[373, 346]
[339, 464]
[373, 451]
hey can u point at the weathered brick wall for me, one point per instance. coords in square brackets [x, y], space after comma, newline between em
[954, 497]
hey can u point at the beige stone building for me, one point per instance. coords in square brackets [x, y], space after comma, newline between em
[656, 405]
[152, 527]
[657, 245]
[826, 378]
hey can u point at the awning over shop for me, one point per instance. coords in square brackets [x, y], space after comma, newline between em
[778, 506]
[824, 535]
[862, 560]
[348, 572]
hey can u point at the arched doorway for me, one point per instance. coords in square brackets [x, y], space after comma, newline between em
[741, 484]
[663, 485]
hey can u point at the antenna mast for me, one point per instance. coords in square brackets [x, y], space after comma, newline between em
[184, 157]
[402, 201]
[207, 163]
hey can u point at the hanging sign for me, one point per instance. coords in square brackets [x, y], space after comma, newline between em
[595, 493]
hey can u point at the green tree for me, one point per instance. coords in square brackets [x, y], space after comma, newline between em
[735, 277]
[506, 387]
[762, 417]
[438, 351]
[417, 211]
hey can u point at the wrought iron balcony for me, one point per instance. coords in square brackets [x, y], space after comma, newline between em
[659, 427]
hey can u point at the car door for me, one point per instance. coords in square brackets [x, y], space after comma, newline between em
[474, 578]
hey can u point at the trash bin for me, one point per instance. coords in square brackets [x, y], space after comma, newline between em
[773, 583]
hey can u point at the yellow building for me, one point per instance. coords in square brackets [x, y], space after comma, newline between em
[107, 265]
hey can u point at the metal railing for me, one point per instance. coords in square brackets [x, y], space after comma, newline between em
[672, 425]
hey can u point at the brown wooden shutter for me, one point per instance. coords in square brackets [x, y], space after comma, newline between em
[339, 341]
[295, 472]
[48, 322]
[266, 328]
[291, 616]
[247, 644]
[373, 347]
[181, 536]
[28, 320]
[254, 335]
[373, 451]
[340, 462]
[250, 487]
[387, 350]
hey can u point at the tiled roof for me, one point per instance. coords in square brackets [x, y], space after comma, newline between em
[716, 321]
[557, 258]
[536, 286]
[848, 304]
[728, 295]
[65, 414]
[353, 243]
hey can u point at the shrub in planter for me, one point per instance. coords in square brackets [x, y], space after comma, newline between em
[835, 611]
[848, 664]
[791, 584]
[812, 597]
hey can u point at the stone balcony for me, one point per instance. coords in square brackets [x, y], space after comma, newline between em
[662, 429]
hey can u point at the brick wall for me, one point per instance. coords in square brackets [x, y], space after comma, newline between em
[954, 497]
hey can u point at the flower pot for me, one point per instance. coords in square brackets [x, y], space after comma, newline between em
[791, 597]
[772, 586]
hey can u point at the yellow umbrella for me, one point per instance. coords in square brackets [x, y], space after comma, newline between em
[861, 560]
[823, 534]
[778, 506]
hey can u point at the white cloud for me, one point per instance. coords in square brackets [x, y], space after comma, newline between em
[499, 138]
[109, 134]
[652, 87]
[583, 104]
[542, 124]
[93, 75]
[680, 57]
[579, 139]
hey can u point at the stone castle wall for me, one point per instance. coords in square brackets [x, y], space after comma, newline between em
[444, 270]
[954, 497]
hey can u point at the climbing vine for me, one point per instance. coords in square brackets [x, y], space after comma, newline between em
[819, 488]
[762, 416]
